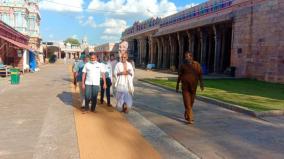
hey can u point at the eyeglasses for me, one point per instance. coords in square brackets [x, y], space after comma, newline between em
[123, 57]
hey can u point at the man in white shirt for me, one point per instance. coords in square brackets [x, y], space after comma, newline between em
[92, 73]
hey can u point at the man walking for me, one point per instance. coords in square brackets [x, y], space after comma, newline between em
[79, 73]
[108, 75]
[189, 74]
[124, 84]
[92, 73]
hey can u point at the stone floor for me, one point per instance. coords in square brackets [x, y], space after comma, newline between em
[38, 120]
[217, 132]
[35, 118]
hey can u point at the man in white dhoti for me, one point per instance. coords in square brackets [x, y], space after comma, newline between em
[124, 75]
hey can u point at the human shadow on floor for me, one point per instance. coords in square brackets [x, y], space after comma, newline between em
[66, 98]
[68, 79]
[172, 116]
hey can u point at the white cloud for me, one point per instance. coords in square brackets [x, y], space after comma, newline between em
[133, 8]
[112, 29]
[90, 22]
[62, 5]
[74, 36]
[109, 38]
[189, 6]
[113, 26]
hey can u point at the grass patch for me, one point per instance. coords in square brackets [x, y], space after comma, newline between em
[255, 95]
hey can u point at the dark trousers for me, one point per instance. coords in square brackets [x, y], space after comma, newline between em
[108, 83]
[91, 94]
[188, 93]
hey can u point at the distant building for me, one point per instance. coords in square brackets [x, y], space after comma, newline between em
[24, 16]
[106, 49]
[14, 49]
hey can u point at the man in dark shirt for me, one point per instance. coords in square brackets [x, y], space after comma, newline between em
[189, 74]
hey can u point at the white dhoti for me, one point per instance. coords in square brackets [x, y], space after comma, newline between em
[123, 98]
[124, 86]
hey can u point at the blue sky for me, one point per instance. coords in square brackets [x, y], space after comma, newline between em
[100, 20]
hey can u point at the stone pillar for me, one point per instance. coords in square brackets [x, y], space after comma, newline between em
[189, 35]
[144, 41]
[193, 38]
[181, 46]
[165, 58]
[160, 50]
[223, 50]
[172, 52]
[163, 53]
[204, 44]
[151, 50]
[139, 43]
[210, 53]
[217, 51]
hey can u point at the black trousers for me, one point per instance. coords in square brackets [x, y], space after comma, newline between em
[91, 94]
[108, 83]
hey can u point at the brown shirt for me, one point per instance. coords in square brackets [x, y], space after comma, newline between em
[190, 74]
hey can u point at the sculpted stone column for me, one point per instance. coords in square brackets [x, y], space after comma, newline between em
[159, 53]
[163, 52]
[203, 39]
[156, 51]
[181, 47]
[223, 51]
[151, 50]
[210, 52]
[141, 50]
[172, 52]
[189, 35]
[217, 51]
[166, 57]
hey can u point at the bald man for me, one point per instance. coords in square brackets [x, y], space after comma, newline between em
[190, 74]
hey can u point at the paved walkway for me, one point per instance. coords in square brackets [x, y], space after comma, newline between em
[107, 134]
[217, 133]
[38, 120]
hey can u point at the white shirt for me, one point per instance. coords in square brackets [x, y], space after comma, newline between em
[108, 69]
[93, 73]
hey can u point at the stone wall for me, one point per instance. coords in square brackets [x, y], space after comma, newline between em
[258, 41]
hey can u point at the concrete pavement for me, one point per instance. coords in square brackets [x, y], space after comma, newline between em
[36, 119]
[217, 132]
[39, 120]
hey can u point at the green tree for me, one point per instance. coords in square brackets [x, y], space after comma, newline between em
[72, 41]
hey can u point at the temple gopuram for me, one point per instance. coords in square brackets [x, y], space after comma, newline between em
[246, 36]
